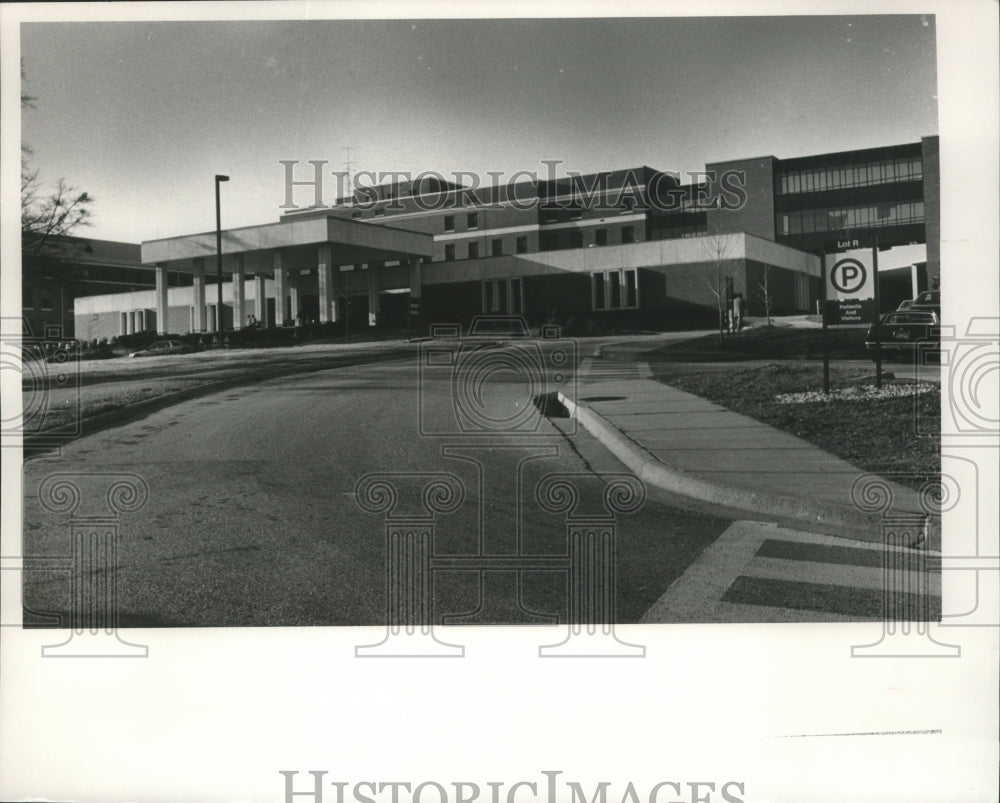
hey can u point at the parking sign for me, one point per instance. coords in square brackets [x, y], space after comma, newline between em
[850, 287]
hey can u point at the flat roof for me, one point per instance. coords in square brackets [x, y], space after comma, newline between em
[351, 242]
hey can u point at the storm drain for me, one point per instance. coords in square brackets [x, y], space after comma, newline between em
[548, 404]
[602, 398]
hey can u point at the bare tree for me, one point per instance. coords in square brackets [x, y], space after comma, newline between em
[718, 247]
[48, 215]
[764, 291]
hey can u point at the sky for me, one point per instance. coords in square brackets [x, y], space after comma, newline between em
[142, 115]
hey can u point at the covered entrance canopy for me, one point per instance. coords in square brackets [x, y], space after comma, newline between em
[285, 249]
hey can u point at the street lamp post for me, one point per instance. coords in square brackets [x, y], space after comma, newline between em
[218, 258]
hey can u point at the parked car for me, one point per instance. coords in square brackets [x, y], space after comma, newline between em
[161, 347]
[905, 304]
[898, 332]
[928, 300]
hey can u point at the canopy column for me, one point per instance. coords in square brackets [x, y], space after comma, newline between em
[239, 292]
[198, 298]
[280, 288]
[161, 299]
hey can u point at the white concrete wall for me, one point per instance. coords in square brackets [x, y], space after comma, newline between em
[176, 297]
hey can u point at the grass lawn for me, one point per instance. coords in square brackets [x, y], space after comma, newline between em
[767, 342]
[99, 386]
[877, 435]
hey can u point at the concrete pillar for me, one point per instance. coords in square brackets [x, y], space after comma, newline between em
[416, 278]
[372, 294]
[416, 290]
[239, 294]
[293, 293]
[130, 323]
[280, 288]
[914, 281]
[199, 295]
[324, 273]
[161, 298]
[260, 298]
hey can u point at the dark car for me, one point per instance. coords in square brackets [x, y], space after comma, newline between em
[899, 331]
[161, 347]
[929, 300]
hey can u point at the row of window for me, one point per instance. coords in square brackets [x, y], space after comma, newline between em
[496, 249]
[614, 289]
[503, 296]
[818, 179]
[610, 290]
[576, 240]
[574, 209]
[859, 217]
[471, 221]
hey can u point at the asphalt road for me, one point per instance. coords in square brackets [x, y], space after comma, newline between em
[253, 519]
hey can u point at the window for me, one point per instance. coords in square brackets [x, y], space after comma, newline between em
[496, 247]
[27, 297]
[503, 296]
[601, 236]
[628, 235]
[576, 239]
[473, 250]
[615, 289]
[631, 291]
[883, 171]
[46, 300]
[801, 291]
[522, 245]
[449, 223]
[858, 217]
[449, 252]
[472, 220]
[516, 296]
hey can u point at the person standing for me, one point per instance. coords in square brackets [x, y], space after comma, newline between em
[739, 307]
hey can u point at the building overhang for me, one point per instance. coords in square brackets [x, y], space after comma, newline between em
[351, 242]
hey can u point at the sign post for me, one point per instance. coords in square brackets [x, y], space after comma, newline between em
[878, 340]
[826, 345]
[850, 291]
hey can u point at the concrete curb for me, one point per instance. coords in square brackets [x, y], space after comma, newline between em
[840, 519]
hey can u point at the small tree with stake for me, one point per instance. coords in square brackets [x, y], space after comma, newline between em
[718, 247]
[764, 291]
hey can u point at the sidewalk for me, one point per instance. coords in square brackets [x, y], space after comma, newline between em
[690, 446]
